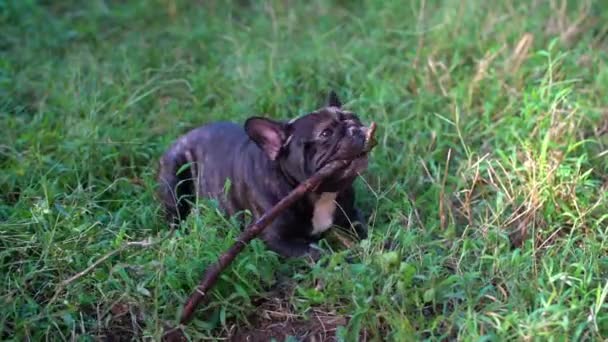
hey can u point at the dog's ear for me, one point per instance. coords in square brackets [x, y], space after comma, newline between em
[333, 100]
[270, 135]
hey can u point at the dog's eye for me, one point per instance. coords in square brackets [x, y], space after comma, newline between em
[326, 133]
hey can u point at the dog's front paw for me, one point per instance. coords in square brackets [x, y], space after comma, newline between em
[315, 253]
[360, 225]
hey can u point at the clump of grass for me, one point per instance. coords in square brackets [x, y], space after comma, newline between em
[486, 197]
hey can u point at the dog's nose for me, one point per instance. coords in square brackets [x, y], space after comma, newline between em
[364, 130]
[358, 135]
[356, 130]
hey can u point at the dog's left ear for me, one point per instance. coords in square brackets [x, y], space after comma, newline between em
[268, 134]
[333, 100]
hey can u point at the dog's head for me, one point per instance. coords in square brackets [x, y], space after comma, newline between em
[304, 145]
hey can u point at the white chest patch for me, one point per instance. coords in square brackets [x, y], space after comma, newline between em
[323, 214]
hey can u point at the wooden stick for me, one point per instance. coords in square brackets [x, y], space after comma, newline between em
[212, 273]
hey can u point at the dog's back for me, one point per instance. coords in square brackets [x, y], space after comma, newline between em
[197, 153]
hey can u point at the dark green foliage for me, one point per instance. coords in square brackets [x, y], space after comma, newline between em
[482, 131]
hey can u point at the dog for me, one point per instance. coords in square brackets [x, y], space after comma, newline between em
[263, 161]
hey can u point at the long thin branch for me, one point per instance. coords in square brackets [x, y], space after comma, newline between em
[143, 244]
[211, 274]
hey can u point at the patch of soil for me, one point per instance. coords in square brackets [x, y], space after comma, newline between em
[275, 318]
[123, 322]
[268, 324]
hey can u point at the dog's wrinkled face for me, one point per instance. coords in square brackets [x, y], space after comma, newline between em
[304, 145]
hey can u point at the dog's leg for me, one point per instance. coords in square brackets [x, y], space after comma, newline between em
[348, 216]
[287, 247]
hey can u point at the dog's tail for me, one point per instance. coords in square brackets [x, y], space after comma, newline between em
[176, 186]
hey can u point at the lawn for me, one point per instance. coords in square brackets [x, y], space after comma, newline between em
[487, 196]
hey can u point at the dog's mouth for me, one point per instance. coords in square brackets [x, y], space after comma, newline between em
[357, 163]
[352, 160]
[346, 176]
[362, 155]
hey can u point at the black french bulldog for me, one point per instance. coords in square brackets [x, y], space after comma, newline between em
[264, 162]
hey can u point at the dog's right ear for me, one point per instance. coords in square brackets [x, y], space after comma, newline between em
[269, 135]
[333, 100]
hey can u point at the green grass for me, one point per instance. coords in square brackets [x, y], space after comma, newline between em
[484, 133]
